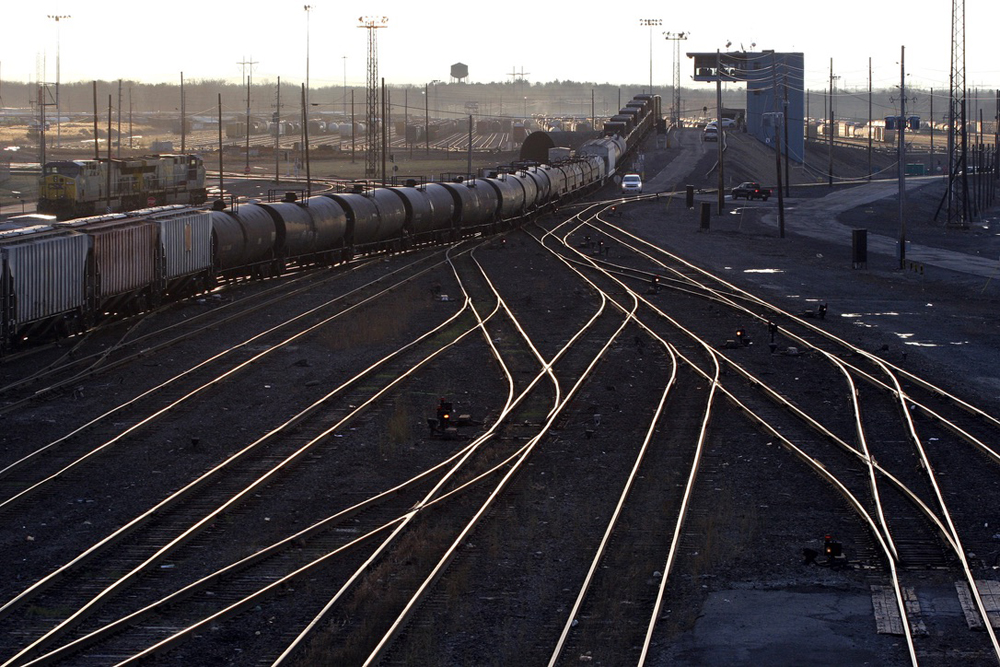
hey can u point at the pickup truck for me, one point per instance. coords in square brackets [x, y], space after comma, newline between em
[751, 190]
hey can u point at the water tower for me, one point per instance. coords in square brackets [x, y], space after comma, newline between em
[459, 72]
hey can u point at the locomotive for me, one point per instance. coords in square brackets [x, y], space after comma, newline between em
[76, 188]
[64, 276]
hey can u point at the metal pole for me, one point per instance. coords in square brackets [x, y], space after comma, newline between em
[183, 118]
[427, 117]
[307, 9]
[384, 123]
[305, 130]
[829, 128]
[721, 131]
[58, 18]
[650, 23]
[354, 128]
[119, 151]
[277, 133]
[870, 119]
[97, 154]
[469, 167]
[902, 158]
[221, 188]
[784, 125]
[109, 155]
[931, 166]
[777, 147]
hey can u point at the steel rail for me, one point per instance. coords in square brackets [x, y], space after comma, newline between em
[190, 394]
[174, 498]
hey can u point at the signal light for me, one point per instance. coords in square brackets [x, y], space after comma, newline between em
[832, 548]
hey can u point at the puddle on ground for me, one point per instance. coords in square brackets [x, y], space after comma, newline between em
[763, 271]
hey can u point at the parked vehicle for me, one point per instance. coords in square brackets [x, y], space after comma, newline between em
[711, 134]
[750, 190]
[632, 184]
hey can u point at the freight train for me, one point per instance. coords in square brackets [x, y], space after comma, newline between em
[75, 188]
[63, 277]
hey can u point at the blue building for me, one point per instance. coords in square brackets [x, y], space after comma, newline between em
[775, 92]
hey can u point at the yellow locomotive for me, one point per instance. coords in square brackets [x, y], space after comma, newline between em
[77, 188]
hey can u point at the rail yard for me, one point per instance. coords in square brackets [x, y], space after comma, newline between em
[609, 435]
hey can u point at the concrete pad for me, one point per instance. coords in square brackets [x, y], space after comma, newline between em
[818, 626]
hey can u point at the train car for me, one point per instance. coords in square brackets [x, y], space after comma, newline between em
[64, 276]
[244, 241]
[77, 188]
[529, 187]
[608, 149]
[123, 262]
[185, 235]
[330, 223]
[376, 218]
[477, 203]
[429, 212]
[510, 195]
[543, 185]
[43, 283]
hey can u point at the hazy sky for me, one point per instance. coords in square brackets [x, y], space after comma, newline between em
[580, 41]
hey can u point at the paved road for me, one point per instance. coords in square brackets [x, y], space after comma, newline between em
[817, 218]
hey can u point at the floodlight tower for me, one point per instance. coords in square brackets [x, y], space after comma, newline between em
[57, 18]
[650, 23]
[308, 9]
[676, 38]
[373, 148]
[958, 184]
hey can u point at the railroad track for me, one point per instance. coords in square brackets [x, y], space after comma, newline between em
[406, 563]
[904, 501]
[176, 519]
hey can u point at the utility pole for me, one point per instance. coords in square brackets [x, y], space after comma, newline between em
[777, 145]
[109, 158]
[119, 151]
[902, 158]
[97, 153]
[221, 172]
[784, 125]
[427, 118]
[829, 128]
[722, 132]
[276, 119]
[249, 78]
[183, 119]
[931, 165]
[870, 119]
[385, 123]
